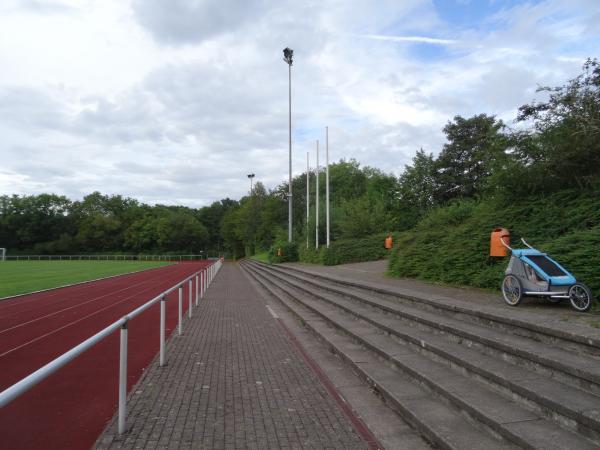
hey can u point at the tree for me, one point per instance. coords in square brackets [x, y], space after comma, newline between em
[211, 217]
[180, 231]
[418, 183]
[563, 149]
[29, 220]
[467, 159]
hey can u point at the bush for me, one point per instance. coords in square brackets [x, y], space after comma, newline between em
[451, 244]
[289, 252]
[311, 254]
[343, 251]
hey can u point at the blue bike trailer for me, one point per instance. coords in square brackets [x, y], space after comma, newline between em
[551, 271]
[533, 273]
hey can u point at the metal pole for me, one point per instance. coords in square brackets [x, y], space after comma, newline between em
[307, 197]
[317, 201]
[190, 299]
[197, 290]
[327, 181]
[123, 381]
[290, 156]
[202, 284]
[180, 309]
[162, 331]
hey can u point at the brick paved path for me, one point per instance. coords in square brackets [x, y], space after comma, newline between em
[233, 380]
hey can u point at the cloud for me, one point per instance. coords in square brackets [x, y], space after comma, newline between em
[421, 39]
[175, 102]
[184, 21]
[42, 7]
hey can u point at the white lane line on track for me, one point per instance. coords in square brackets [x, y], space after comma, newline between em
[66, 326]
[71, 307]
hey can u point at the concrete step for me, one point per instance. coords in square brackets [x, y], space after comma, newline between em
[572, 407]
[561, 334]
[545, 398]
[440, 423]
[579, 370]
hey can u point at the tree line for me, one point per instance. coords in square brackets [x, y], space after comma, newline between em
[552, 145]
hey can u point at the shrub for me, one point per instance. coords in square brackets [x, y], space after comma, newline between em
[370, 248]
[451, 244]
[289, 252]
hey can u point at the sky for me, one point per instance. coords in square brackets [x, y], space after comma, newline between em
[176, 101]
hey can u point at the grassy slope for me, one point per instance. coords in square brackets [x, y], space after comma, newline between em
[18, 277]
[451, 244]
[262, 257]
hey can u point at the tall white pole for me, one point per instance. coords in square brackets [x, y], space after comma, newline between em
[290, 157]
[307, 197]
[317, 201]
[327, 181]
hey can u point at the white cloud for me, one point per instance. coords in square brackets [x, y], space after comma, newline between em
[175, 102]
[420, 39]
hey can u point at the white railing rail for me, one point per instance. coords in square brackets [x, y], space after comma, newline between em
[203, 279]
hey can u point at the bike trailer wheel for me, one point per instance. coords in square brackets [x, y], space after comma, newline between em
[580, 297]
[512, 290]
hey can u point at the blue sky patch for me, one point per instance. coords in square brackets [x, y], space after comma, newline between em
[472, 13]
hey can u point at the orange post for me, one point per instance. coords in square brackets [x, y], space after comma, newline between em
[496, 247]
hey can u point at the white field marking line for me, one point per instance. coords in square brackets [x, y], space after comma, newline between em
[275, 316]
[66, 325]
[83, 282]
[74, 306]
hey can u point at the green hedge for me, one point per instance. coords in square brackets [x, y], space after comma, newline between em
[289, 252]
[451, 244]
[370, 248]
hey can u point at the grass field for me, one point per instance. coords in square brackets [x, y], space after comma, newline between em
[19, 277]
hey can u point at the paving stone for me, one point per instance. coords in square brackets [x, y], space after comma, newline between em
[233, 380]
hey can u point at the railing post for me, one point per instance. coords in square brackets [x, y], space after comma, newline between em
[162, 331]
[197, 291]
[190, 283]
[180, 310]
[123, 381]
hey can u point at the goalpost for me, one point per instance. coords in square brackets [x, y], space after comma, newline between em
[2, 254]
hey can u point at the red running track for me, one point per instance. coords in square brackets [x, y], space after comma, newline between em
[70, 408]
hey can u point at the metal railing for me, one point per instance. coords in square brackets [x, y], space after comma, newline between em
[203, 279]
[107, 257]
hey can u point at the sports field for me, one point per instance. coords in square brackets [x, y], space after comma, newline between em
[19, 277]
[69, 409]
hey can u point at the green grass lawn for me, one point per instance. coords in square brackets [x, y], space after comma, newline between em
[262, 257]
[19, 277]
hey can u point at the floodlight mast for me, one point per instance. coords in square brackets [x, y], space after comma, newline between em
[251, 176]
[288, 55]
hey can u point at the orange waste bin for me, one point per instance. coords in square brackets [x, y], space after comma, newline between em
[389, 242]
[496, 247]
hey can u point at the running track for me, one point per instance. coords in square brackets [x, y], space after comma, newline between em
[70, 409]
